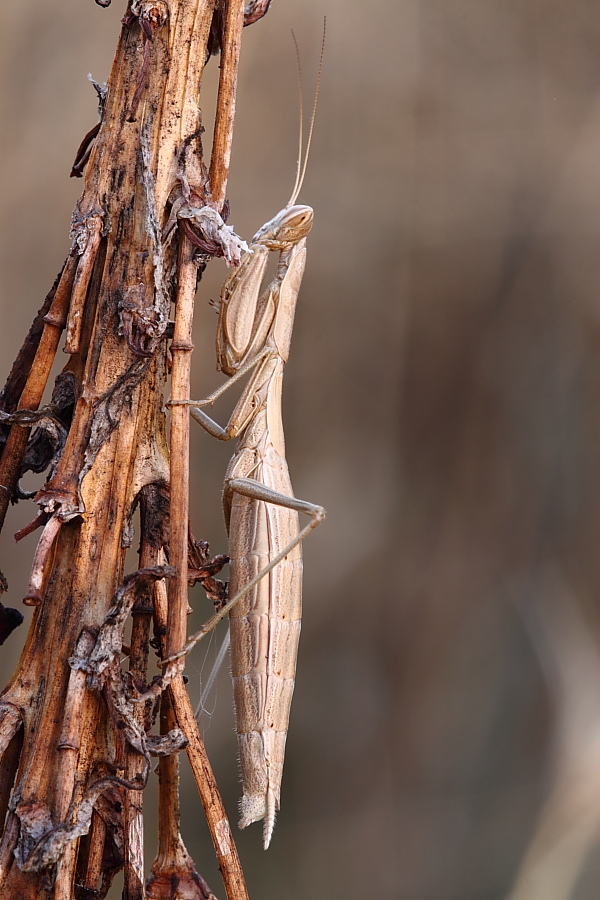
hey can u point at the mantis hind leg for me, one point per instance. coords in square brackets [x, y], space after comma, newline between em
[248, 487]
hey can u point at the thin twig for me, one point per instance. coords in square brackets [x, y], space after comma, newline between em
[93, 229]
[69, 747]
[133, 809]
[216, 817]
[223, 135]
[31, 397]
[93, 868]
[173, 872]
[181, 348]
[13, 387]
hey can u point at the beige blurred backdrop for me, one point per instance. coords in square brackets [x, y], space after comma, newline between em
[442, 402]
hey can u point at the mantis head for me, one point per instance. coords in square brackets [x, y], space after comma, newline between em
[287, 228]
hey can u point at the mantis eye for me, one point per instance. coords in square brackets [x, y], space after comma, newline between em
[297, 222]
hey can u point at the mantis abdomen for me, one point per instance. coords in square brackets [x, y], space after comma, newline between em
[265, 628]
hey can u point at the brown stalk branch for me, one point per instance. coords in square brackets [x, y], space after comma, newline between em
[93, 867]
[181, 349]
[75, 739]
[69, 746]
[133, 809]
[223, 134]
[13, 387]
[69, 742]
[214, 810]
[216, 817]
[33, 391]
[93, 226]
[173, 872]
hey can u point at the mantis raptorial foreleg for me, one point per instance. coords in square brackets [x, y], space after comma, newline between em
[234, 425]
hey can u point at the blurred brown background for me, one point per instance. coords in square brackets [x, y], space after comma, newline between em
[442, 402]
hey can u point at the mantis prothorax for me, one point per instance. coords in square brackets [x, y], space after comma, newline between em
[261, 513]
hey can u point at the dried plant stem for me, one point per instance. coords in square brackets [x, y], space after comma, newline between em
[11, 739]
[178, 587]
[133, 801]
[80, 286]
[33, 391]
[220, 831]
[19, 373]
[69, 747]
[181, 348]
[173, 870]
[133, 810]
[223, 134]
[96, 843]
[74, 741]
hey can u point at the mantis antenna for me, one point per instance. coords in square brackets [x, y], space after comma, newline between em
[301, 166]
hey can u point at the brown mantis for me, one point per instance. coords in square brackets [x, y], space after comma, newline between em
[261, 513]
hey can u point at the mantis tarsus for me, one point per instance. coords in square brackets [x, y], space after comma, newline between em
[253, 337]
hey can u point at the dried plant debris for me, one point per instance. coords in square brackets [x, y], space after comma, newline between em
[102, 666]
[77, 824]
[48, 437]
[9, 618]
[178, 881]
[202, 569]
[151, 14]
[41, 844]
[83, 152]
[67, 502]
[141, 323]
[203, 225]
[252, 13]
[46, 442]
[109, 642]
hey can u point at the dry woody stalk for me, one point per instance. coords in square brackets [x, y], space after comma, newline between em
[78, 730]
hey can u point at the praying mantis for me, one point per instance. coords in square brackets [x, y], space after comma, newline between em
[265, 584]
